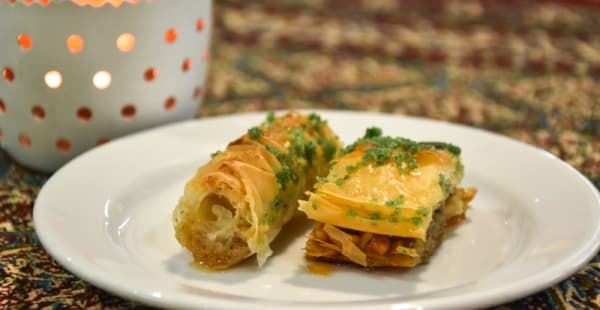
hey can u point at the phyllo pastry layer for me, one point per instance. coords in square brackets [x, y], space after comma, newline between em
[387, 202]
[238, 202]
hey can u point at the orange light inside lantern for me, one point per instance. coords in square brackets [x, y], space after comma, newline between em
[150, 74]
[100, 3]
[206, 55]
[197, 92]
[38, 112]
[84, 114]
[24, 41]
[25, 140]
[171, 35]
[128, 111]
[53, 79]
[186, 65]
[75, 43]
[101, 79]
[102, 141]
[8, 74]
[170, 103]
[63, 145]
[126, 42]
[199, 24]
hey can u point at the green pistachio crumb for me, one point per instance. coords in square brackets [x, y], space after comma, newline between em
[255, 132]
[374, 216]
[422, 211]
[395, 202]
[270, 117]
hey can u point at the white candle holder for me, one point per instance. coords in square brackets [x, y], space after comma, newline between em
[78, 73]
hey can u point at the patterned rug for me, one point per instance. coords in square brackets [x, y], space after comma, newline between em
[526, 69]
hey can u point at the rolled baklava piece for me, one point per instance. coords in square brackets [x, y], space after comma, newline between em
[387, 202]
[237, 203]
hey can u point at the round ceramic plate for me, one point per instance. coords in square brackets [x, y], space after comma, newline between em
[106, 217]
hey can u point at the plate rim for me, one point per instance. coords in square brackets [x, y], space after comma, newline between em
[576, 260]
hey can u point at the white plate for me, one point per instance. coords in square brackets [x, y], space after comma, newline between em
[106, 217]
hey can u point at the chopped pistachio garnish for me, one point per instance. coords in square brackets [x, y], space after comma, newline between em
[395, 202]
[285, 175]
[373, 132]
[280, 156]
[267, 218]
[384, 148]
[416, 220]
[314, 205]
[315, 120]
[374, 216]
[423, 211]
[270, 117]
[255, 132]
[459, 167]
[444, 184]
[329, 150]
[351, 213]
[213, 155]
[309, 149]
[378, 155]
[275, 204]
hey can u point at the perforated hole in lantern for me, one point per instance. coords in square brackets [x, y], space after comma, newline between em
[206, 55]
[170, 103]
[8, 74]
[53, 79]
[2, 106]
[171, 35]
[186, 65]
[24, 140]
[24, 41]
[197, 92]
[199, 24]
[102, 141]
[75, 43]
[38, 112]
[12, 1]
[101, 79]
[150, 74]
[63, 145]
[126, 42]
[84, 114]
[128, 112]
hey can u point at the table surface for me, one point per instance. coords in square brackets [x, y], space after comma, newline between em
[525, 69]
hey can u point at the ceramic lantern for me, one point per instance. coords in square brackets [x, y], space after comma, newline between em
[78, 73]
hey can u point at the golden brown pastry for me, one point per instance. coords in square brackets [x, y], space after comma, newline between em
[387, 202]
[239, 201]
